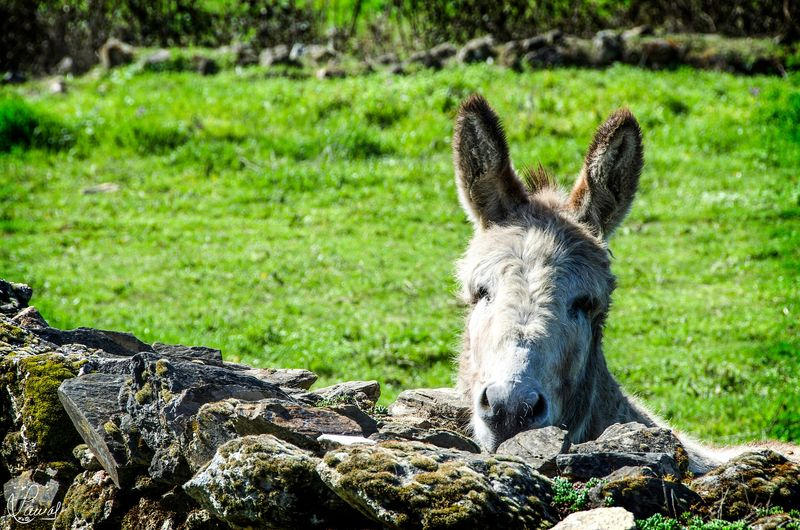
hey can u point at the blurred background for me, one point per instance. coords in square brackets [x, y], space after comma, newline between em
[36, 35]
[274, 179]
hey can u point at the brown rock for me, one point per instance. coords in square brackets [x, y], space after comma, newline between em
[443, 407]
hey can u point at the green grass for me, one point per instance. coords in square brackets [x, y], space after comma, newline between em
[314, 224]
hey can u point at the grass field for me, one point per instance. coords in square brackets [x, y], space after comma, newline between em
[307, 223]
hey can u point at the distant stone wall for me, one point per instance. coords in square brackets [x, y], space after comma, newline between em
[101, 430]
[638, 46]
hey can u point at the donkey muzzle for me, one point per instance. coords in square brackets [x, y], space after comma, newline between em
[509, 409]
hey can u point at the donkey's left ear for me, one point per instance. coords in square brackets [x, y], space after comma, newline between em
[603, 194]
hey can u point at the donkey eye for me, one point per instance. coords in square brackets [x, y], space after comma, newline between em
[480, 293]
[582, 304]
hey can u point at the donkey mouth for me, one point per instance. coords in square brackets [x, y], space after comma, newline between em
[505, 418]
[532, 417]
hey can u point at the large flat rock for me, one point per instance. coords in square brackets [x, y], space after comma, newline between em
[415, 485]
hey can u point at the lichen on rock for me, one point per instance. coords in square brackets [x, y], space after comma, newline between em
[261, 481]
[759, 478]
[414, 485]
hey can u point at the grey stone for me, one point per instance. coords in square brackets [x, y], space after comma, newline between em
[33, 494]
[330, 72]
[595, 465]
[205, 65]
[438, 437]
[615, 518]
[261, 481]
[512, 52]
[771, 522]
[538, 447]
[138, 414]
[29, 318]
[477, 50]
[93, 404]
[285, 377]
[277, 55]
[217, 423]
[443, 51]
[245, 54]
[210, 356]
[365, 421]
[386, 59]
[158, 59]
[413, 485]
[607, 47]
[113, 342]
[58, 86]
[654, 52]
[334, 441]
[321, 54]
[14, 297]
[364, 393]
[635, 32]
[443, 407]
[65, 66]
[636, 438]
[114, 53]
[545, 57]
[86, 458]
[425, 59]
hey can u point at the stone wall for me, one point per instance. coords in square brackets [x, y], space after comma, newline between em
[101, 430]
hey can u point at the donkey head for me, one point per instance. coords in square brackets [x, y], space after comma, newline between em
[537, 275]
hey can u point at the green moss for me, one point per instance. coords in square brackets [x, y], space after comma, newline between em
[111, 429]
[87, 503]
[45, 422]
[448, 493]
[423, 462]
[144, 394]
[162, 367]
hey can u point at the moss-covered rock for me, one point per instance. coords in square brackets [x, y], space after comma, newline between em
[92, 501]
[415, 485]
[761, 478]
[38, 429]
[174, 511]
[263, 482]
[640, 491]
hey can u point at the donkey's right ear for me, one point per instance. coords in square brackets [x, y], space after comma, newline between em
[488, 188]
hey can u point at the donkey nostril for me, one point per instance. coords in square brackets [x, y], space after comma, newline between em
[493, 402]
[534, 409]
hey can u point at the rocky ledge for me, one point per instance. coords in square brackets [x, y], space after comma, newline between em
[101, 430]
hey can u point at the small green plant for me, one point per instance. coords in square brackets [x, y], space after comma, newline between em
[571, 496]
[687, 522]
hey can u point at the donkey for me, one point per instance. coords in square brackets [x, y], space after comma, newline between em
[537, 279]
